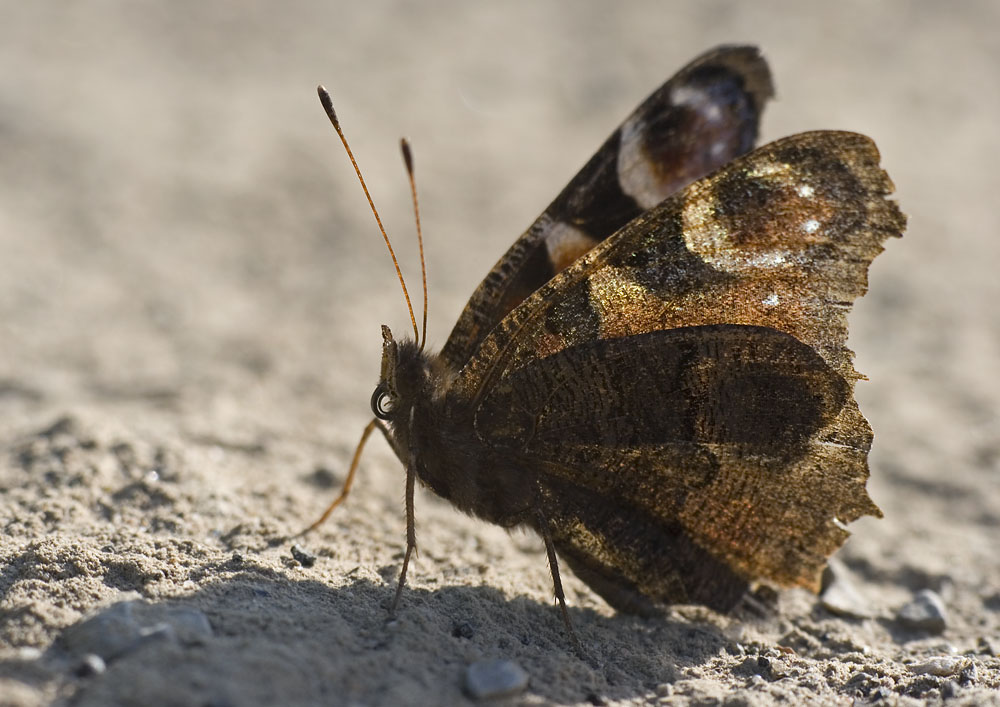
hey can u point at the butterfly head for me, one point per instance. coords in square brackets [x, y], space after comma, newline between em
[385, 399]
[402, 380]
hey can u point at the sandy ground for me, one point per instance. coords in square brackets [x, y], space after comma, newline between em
[190, 294]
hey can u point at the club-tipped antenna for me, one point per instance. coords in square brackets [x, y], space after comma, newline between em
[324, 98]
[408, 160]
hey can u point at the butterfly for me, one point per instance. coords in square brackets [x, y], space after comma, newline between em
[654, 377]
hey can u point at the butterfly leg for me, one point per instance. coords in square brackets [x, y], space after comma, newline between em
[350, 475]
[550, 550]
[411, 537]
[411, 530]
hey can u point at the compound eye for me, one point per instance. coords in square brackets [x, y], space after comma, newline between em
[382, 403]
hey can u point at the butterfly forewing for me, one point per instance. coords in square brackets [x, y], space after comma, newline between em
[788, 248]
[697, 121]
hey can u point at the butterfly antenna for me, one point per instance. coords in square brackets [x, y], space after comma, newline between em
[324, 98]
[408, 159]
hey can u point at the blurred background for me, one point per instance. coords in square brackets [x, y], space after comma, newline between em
[177, 216]
[184, 246]
[176, 213]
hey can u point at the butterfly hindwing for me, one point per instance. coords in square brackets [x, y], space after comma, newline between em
[697, 121]
[652, 427]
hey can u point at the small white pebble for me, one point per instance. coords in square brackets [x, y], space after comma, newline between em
[490, 679]
[941, 665]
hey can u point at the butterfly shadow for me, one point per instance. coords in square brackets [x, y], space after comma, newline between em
[265, 636]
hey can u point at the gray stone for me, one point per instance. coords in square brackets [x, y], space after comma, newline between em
[841, 596]
[925, 612]
[303, 556]
[107, 634]
[489, 679]
[128, 625]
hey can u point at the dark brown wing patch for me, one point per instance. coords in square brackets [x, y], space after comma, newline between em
[712, 385]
